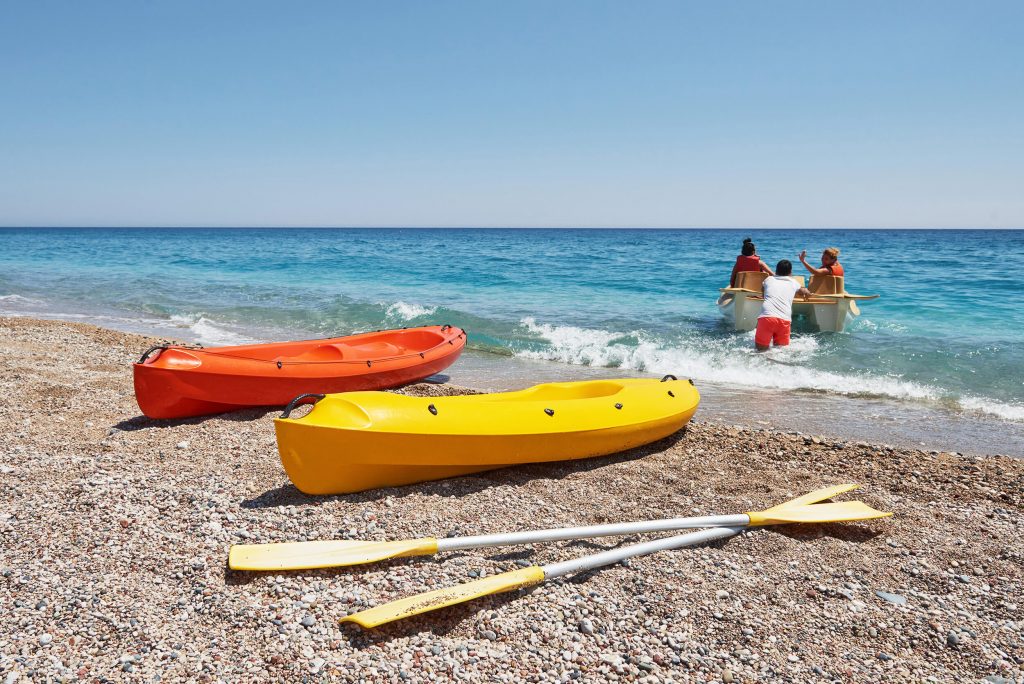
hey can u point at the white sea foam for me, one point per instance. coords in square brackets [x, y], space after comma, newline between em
[18, 299]
[723, 361]
[207, 331]
[406, 312]
[998, 409]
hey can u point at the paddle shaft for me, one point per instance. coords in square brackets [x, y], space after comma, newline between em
[617, 555]
[609, 530]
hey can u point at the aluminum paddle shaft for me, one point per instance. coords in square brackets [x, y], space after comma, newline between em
[604, 558]
[590, 531]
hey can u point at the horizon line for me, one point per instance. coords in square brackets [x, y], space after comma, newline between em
[473, 227]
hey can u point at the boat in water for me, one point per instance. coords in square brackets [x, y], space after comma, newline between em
[365, 440]
[179, 382]
[829, 308]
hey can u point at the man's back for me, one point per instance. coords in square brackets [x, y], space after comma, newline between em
[779, 292]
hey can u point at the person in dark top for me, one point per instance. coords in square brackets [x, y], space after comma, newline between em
[749, 261]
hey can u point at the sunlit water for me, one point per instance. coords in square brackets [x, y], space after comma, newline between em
[938, 360]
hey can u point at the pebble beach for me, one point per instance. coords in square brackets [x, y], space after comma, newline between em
[115, 531]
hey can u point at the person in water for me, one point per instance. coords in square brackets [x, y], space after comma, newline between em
[748, 261]
[829, 263]
[777, 311]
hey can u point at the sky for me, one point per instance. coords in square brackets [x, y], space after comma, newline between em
[486, 113]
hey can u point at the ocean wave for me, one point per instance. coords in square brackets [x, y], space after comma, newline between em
[207, 331]
[405, 311]
[19, 299]
[733, 361]
[1012, 412]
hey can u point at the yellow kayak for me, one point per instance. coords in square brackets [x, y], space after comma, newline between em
[356, 441]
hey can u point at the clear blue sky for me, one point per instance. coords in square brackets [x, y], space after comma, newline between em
[488, 113]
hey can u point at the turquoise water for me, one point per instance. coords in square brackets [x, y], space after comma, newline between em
[946, 335]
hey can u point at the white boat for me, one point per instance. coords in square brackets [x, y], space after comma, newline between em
[828, 309]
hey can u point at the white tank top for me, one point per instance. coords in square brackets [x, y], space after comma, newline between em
[779, 292]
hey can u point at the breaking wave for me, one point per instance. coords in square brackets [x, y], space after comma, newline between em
[732, 361]
[404, 311]
[206, 331]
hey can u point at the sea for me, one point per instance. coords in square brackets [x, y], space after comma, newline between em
[936, 362]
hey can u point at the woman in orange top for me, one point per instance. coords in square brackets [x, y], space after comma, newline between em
[829, 262]
[748, 261]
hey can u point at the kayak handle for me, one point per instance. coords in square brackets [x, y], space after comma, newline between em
[669, 376]
[149, 351]
[445, 327]
[299, 399]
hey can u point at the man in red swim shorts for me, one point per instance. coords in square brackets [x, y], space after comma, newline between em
[777, 310]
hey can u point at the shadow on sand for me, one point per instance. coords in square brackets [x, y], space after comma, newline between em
[288, 495]
[443, 621]
[241, 416]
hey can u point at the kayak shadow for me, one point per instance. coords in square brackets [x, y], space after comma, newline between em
[512, 476]
[247, 415]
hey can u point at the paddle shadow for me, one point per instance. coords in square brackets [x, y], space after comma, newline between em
[857, 534]
[438, 622]
[513, 476]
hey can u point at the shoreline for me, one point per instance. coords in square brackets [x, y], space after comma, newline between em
[911, 424]
[116, 530]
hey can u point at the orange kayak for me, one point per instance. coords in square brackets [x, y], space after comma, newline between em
[178, 382]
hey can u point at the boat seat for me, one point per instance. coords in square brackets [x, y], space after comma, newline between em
[369, 350]
[323, 352]
[754, 280]
[750, 280]
[826, 284]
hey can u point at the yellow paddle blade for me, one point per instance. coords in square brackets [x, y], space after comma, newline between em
[845, 511]
[323, 554]
[440, 598]
[817, 495]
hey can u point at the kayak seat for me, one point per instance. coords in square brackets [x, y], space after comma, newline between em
[371, 350]
[323, 352]
[562, 391]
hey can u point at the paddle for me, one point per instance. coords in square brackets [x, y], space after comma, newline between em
[327, 554]
[797, 510]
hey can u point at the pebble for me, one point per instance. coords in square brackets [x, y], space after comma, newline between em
[952, 638]
[45, 639]
[895, 599]
[153, 529]
[182, 445]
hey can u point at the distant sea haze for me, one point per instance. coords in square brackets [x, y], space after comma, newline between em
[942, 337]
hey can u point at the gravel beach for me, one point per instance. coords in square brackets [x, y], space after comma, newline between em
[115, 531]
